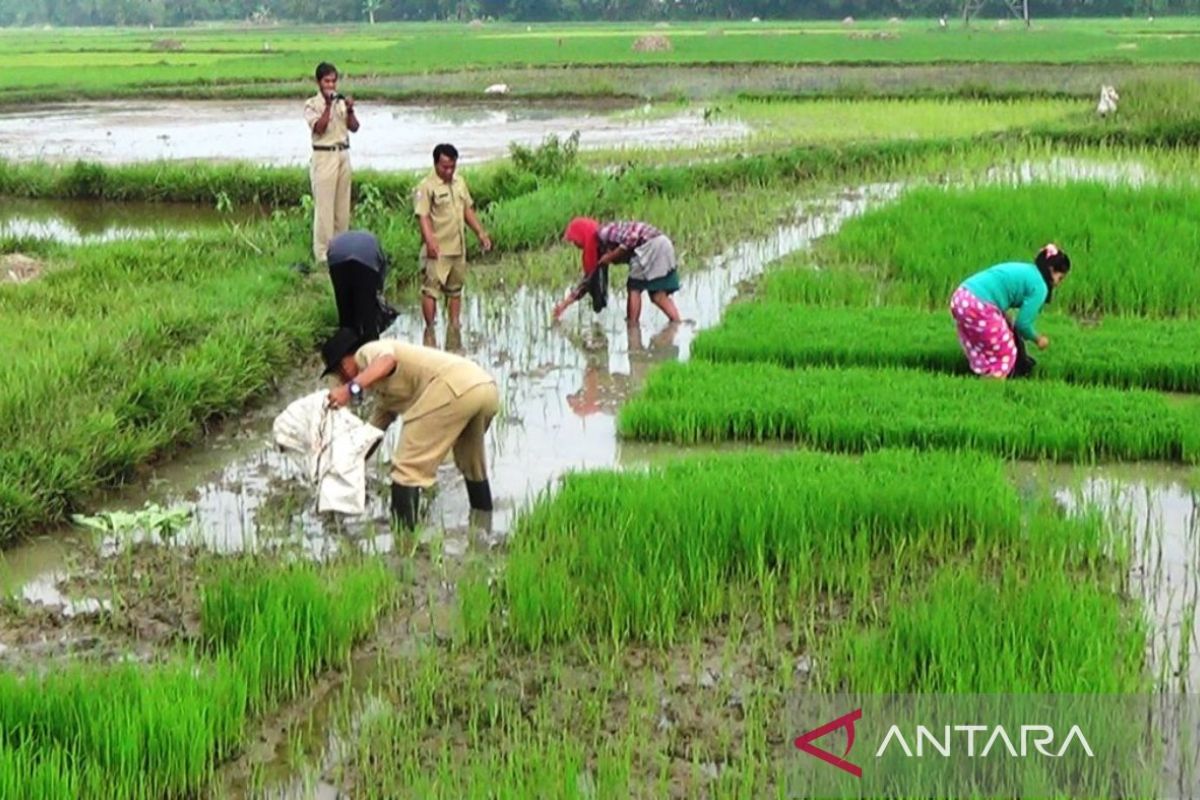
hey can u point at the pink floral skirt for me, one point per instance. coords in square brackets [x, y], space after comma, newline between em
[984, 334]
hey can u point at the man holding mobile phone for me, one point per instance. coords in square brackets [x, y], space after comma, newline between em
[331, 120]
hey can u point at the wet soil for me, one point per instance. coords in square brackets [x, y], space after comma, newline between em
[19, 268]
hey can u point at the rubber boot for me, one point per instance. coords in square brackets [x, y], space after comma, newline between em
[479, 493]
[405, 502]
[1025, 363]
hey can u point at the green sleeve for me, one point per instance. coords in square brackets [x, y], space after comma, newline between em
[1030, 308]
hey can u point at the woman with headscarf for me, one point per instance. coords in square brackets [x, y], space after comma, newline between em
[649, 253]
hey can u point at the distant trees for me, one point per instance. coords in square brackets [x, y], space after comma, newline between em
[182, 12]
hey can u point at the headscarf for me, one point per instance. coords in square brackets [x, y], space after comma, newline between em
[582, 232]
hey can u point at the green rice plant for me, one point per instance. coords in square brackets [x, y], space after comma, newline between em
[1132, 248]
[855, 409]
[289, 623]
[1029, 630]
[1134, 353]
[637, 555]
[150, 731]
[810, 285]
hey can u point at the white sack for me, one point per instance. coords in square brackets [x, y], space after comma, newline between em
[332, 446]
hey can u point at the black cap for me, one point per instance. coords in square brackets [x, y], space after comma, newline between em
[343, 342]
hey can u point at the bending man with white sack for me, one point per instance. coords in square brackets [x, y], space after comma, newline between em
[445, 402]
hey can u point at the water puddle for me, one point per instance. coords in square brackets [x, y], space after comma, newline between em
[1161, 508]
[79, 221]
[392, 136]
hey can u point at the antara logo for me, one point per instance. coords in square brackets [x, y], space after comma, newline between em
[805, 742]
[1040, 737]
[1029, 740]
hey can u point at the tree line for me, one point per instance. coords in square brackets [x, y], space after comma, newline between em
[184, 12]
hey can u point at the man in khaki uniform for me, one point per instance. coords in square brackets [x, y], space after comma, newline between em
[330, 117]
[445, 401]
[444, 207]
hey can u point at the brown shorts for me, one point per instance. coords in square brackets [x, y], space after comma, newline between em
[444, 276]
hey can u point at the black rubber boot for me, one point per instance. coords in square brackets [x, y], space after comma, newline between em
[1025, 363]
[405, 502]
[479, 493]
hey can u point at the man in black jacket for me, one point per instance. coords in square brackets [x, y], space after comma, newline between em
[357, 269]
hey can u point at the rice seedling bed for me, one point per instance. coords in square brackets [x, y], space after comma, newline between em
[96, 723]
[856, 409]
[1133, 353]
[1133, 247]
[636, 556]
[817, 561]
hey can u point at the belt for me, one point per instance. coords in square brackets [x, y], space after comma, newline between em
[327, 147]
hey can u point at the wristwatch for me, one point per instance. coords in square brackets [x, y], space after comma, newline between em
[355, 392]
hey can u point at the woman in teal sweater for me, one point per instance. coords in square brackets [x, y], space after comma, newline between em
[993, 348]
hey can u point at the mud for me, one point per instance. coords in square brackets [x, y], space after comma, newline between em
[392, 136]
[19, 268]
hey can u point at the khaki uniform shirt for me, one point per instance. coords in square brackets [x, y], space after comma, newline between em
[424, 380]
[444, 204]
[336, 131]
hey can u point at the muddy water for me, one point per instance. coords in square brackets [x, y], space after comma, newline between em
[392, 136]
[78, 222]
[1161, 507]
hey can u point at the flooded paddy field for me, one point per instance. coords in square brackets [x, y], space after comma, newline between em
[393, 136]
[520, 652]
[688, 714]
[85, 221]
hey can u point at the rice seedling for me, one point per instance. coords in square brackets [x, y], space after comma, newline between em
[857, 409]
[1134, 353]
[965, 631]
[640, 556]
[1133, 247]
[143, 731]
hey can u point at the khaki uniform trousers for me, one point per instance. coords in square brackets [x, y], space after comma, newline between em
[444, 276]
[459, 424]
[330, 175]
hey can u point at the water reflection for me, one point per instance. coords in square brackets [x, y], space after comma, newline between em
[393, 136]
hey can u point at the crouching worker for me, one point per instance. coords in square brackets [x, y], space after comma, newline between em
[649, 253]
[358, 269]
[993, 346]
[445, 402]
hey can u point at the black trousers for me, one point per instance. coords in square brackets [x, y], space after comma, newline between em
[356, 291]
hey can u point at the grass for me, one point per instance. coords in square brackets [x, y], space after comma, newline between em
[856, 409]
[91, 60]
[1131, 353]
[933, 239]
[144, 731]
[103, 384]
[819, 121]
